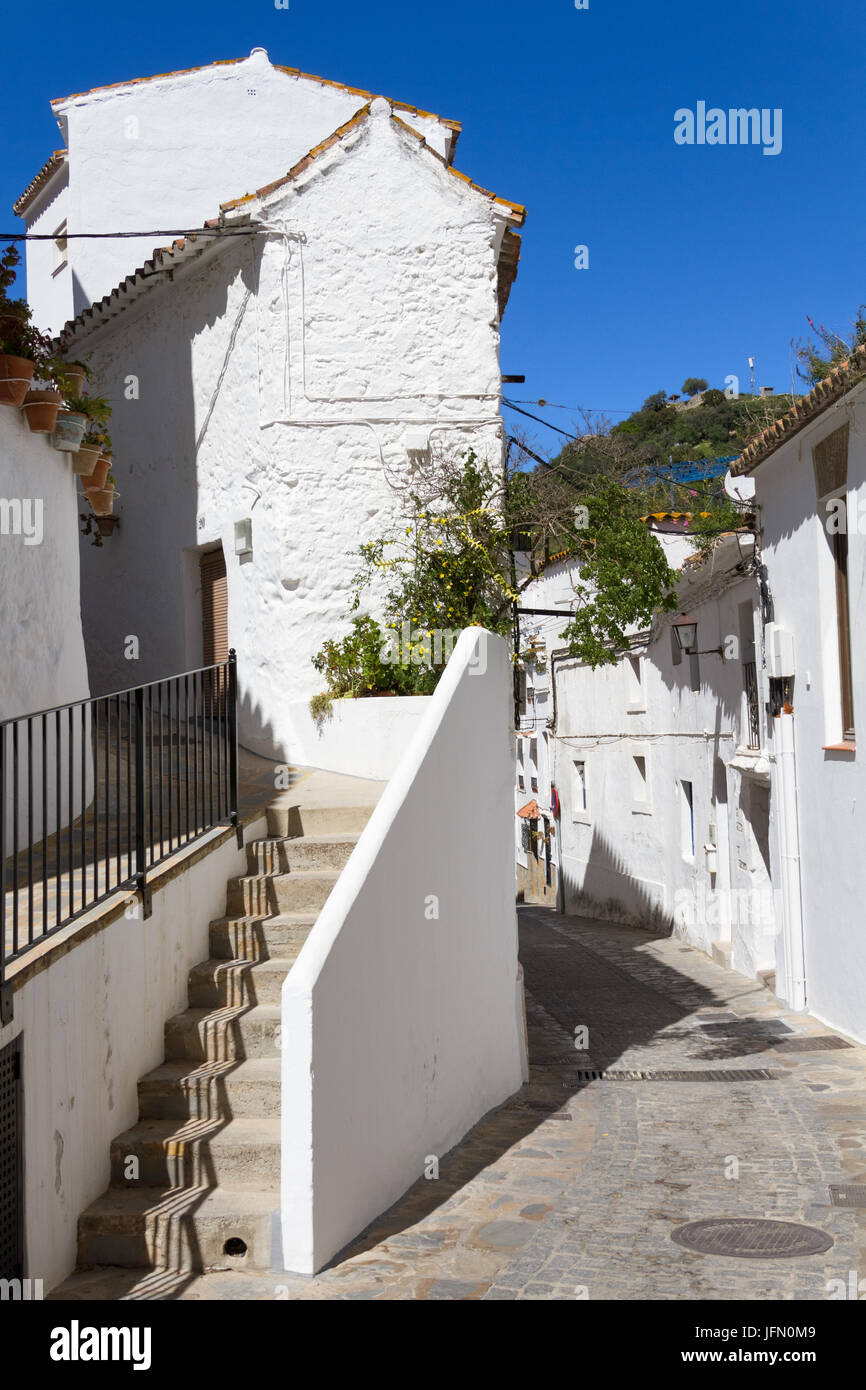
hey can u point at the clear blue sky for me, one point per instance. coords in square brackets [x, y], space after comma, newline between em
[699, 256]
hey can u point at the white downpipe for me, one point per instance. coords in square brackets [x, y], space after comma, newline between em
[795, 956]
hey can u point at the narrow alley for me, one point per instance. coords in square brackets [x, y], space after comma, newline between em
[574, 1189]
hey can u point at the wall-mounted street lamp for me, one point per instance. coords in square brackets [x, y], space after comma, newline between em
[686, 631]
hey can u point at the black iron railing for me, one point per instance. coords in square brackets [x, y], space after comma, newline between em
[750, 680]
[95, 794]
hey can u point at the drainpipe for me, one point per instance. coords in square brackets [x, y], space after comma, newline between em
[779, 645]
[795, 954]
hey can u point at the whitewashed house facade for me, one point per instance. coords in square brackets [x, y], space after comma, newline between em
[810, 486]
[659, 762]
[278, 377]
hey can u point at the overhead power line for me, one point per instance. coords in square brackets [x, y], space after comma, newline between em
[107, 236]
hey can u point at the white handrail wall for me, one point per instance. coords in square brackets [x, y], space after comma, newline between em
[402, 1019]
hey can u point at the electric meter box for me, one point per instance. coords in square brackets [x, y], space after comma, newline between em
[780, 651]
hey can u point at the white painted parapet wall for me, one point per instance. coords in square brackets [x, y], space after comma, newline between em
[402, 1028]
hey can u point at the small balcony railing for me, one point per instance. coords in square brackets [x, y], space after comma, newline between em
[95, 794]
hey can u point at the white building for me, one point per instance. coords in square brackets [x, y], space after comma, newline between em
[659, 762]
[159, 154]
[278, 376]
[810, 478]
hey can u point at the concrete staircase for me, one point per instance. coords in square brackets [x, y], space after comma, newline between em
[195, 1184]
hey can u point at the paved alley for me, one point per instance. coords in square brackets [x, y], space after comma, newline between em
[573, 1189]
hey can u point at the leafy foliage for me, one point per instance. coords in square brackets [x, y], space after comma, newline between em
[817, 360]
[693, 385]
[453, 567]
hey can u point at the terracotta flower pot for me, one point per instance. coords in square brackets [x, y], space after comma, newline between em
[69, 431]
[16, 374]
[100, 472]
[41, 409]
[85, 461]
[76, 377]
[101, 500]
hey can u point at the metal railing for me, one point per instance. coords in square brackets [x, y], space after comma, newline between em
[750, 680]
[95, 794]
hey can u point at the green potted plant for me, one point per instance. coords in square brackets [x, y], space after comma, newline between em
[97, 413]
[23, 349]
[43, 401]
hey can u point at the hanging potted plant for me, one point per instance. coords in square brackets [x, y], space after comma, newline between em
[41, 408]
[23, 349]
[97, 413]
[72, 377]
[71, 425]
[101, 499]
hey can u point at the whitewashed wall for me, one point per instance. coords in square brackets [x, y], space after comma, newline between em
[40, 610]
[402, 1017]
[360, 738]
[831, 786]
[92, 1023]
[393, 327]
[162, 155]
[623, 855]
[49, 287]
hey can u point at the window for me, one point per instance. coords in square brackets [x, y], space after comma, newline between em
[634, 678]
[60, 253]
[687, 820]
[830, 460]
[520, 778]
[579, 792]
[752, 720]
[641, 801]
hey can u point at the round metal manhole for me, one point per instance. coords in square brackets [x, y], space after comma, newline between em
[749, 1238]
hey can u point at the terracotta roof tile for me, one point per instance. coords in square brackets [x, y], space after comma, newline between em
[454, 126]
[803, 411]
[37, 183]
[122, 294]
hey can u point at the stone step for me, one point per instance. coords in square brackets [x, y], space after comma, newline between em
[211, 1090]
[242, 1152]
[293, 821]
[178, 1229]
[218, 984]
[287, 854]
[221, 1035]
[259, 938]
[295, 892]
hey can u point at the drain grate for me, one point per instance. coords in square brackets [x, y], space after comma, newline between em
[821, 1043]
[848, 1194]
[733, 1074]
[751, 1238]
[747, 1028]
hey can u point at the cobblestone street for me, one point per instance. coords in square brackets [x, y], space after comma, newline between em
[572, 1190]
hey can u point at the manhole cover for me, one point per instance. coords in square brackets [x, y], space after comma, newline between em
[749, 1238]
[849, 1194]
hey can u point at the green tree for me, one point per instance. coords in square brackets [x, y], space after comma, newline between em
[693, 385]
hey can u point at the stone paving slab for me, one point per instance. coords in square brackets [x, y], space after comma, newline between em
[572, 1189]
